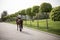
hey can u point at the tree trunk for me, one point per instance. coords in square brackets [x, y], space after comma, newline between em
[30, 20]
[37, 21]
[25, 20]
[47, 20]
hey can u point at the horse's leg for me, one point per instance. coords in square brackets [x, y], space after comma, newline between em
[17, 26]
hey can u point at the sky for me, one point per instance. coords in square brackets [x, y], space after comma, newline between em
[12, 6]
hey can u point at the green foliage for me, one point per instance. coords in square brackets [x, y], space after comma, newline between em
[16, 14]
[6, 17]
[55, 14]
[3, 15]
[28, 11]
[35, 9]
[22, 12]
[45, 7]
[11, 17]
[54, 27]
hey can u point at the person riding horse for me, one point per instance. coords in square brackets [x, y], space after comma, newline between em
[19, 23]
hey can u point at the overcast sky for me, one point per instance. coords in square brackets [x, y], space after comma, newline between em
[12, 6]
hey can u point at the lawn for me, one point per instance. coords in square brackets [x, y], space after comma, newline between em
[54, 27]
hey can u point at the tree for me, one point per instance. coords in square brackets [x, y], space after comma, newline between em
[3, 15]
[29, 13]
[35, 10]
[10, 17]
[46, 7]
[55, 14]
[16, 14]
[22, 12]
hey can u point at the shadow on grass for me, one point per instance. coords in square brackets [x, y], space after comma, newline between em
[55, 31]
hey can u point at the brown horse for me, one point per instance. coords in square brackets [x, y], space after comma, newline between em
[18, 23]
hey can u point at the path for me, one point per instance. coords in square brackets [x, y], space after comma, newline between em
[9, 32]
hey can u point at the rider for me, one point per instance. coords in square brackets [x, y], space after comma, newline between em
[21, 24]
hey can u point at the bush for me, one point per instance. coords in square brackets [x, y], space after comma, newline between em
[55, 14]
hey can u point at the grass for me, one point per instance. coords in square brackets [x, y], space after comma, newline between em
[54, 27]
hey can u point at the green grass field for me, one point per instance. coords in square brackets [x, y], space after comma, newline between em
[54, 27]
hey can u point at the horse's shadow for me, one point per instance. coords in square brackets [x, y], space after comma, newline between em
[25, 32]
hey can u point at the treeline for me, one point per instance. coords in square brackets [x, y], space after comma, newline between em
[44, 11]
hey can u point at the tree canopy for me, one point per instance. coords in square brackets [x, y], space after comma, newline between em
[4, 13]
[45, 7]
[55, 14]
[35, 9]
[22, 12]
